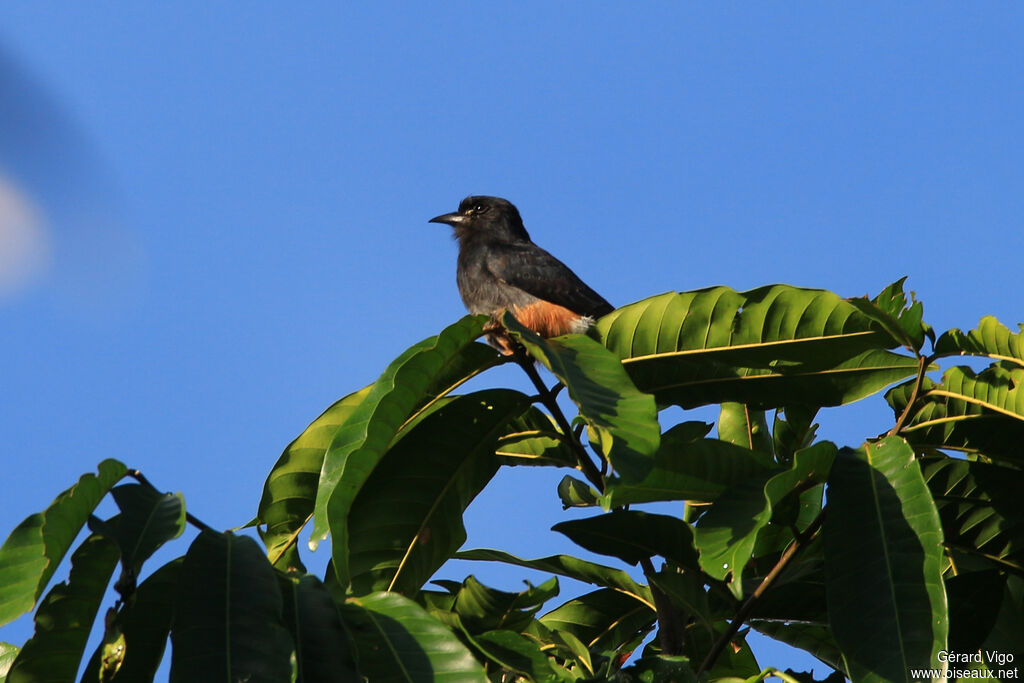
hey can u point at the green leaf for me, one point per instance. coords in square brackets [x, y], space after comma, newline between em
[970, 412]
[397, 640]
[900, 319]
[688, 467]
[793, 429]
[980, 508]
[323, 651]
[406, 520]
[228, 624]
[883, 563]
[603, 620]
[811, 638]
[991, 338]
[144, 623]
[8, 653]
[769, 347]
[739, 424]
[290, 490]
[625, 419]
[662, 669]
[513, 652]
[482, 608]
[568, 566]
[726, 533]
[538, 444]
[32, 552]
[148, 519]
[632, 536]
[407, 387]
[65, 616]
[974, 602]
[577, 494]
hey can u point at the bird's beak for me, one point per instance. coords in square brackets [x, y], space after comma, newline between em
[451, 219]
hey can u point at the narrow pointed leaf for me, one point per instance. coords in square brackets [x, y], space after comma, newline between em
[991, 338]
[32, 552]
[981, 412]
[407, 387]
[625, 418]
[290, 490]
[883, 556]
[689, 467]
[228, 625]
[148, 519]
[633, 535]
[65, 617]
[323, 651]
[603, 620]
[406, 520]
[399, 642]
[768, 347]
[568, 566]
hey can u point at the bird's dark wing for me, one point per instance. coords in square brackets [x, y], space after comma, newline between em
[540, 274]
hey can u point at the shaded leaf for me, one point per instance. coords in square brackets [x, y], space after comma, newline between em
[482, 608]
[406, 520]
[514, 652]
[228, 624]
[397, 640]
[626, 419]
[577, 494]
[32, 552]
[794, 428]
[662, 669]
[405, 389]
[688, 467]
[740, 425]
[539, 443]
[65, 616]
[632, 536]
[811, 638]
[148, 519]
[990, 338]
[323, 652]
[971, 412]
[568, 566]
[974, 602]
[603, 620]
[883, 556]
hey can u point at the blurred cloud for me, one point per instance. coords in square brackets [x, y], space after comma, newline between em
[24, 242]
[60, 222]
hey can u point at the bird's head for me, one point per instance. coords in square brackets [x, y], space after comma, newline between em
[481, 216]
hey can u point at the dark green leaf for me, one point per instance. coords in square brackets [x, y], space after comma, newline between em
[228, 624]
[323, 651]
[662, 669]
[883, 556]
[514, 652]
[632, 536]
[794, 428]
[65, 617]
[568, 566]
[626, 420]
[577, 494]
[406, 389]
[811, 638]
[32, 552]
[773, 346]
[406, 520]
[603, 620]
[688, 467]
[539, 443]
[481, 608]
[148, 519]
[974, 602]
[398, 641]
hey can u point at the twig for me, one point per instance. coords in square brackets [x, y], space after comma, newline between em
[748, 605]
[922, 367]
[671, 621]
[547, 397]
[189, 517]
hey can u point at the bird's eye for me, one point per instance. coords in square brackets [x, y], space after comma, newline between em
[479, 208]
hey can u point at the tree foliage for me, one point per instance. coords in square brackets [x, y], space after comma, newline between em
[873, 556]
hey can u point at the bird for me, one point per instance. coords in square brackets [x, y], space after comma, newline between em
[500, 268]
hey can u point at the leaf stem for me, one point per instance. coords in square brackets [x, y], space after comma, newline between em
[922, 366]
[747, 607]
[548, 398]
[189, 517]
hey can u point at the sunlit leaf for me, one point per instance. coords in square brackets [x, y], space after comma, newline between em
[990, 338]
[739, 424]
[883, 557]
[900, 318]
[625, 418]
[33, 550]
[602, 620]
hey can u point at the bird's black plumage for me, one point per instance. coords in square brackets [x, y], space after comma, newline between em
[500, 268]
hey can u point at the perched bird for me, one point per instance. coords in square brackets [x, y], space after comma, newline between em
[500, 268]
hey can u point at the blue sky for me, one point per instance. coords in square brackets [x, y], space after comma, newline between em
[230, 206]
